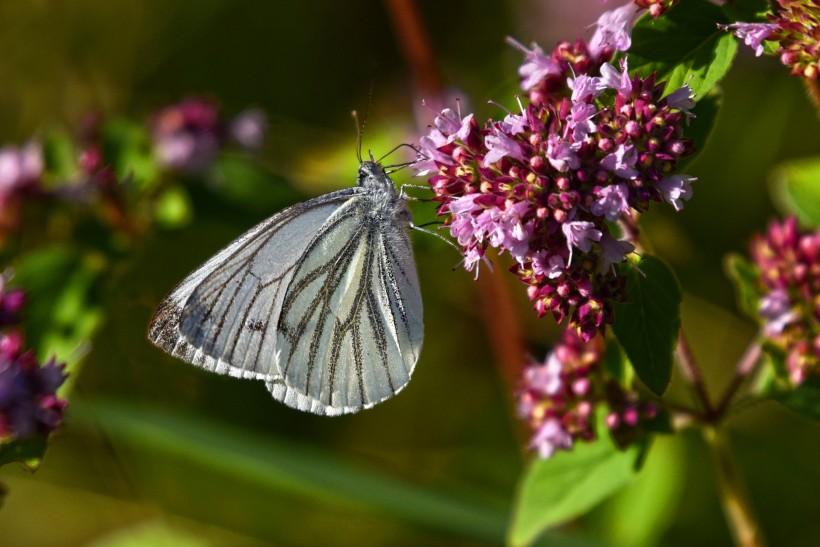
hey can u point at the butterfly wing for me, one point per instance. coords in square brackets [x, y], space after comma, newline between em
[350, 329]
[223, 316]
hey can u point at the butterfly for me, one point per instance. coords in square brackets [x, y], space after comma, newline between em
[321, 302]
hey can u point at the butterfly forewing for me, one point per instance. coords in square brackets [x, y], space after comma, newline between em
[222, 317]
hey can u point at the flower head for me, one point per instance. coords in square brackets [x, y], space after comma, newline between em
[788, 260]
[793, 31]
[559, 397]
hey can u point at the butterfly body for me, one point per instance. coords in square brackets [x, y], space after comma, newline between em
[320, 301]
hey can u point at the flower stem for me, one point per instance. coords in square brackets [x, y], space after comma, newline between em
[813, 91]
[690, 370]
[745, 367]
[415, 44]
[739, 515]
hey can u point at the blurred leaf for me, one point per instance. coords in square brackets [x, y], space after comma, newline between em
[749, 11]
[173, 208]
[745, 277]
[700, 127]
[145, 534]
[244, 183]
[59, 155]
[796, 190]
[616, 362]
[28, 452]
[62, 310]
[640, 513]
[128, 148]
[685, 43]
[647, 324]
[282, 466]
[567, 485]
[804, 399]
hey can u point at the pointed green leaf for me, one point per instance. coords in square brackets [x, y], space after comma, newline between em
[127, 146]
[62, 311]
[647, 324]
[745, 277]
[567, 485]
[796, 190]
[685, 43]
[804, 399]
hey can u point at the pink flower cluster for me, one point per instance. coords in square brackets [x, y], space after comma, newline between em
[29, 406]
[559, 398]
[789, 264]
[793, 30]
[188, 135]
[548, 183]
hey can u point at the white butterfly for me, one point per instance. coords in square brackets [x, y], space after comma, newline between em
[321, 301]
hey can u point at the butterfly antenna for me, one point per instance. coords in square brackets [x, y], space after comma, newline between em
[359, 134]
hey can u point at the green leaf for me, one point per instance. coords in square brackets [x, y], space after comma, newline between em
[745, 277]
[685, 43]
[62, 310]
[616, 362]
[640, 513]
[750, 11]
[244, 183]
[221, 451]
[127, 146]
[59, 156]
[805, 399]
[795, 189]
[567, 485]
[647, 324]
[700, 127]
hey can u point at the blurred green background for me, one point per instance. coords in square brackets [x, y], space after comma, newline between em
[156, 452]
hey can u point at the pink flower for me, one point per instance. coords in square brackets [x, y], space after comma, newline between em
[580, 235]
[536, 67]
[613, 251]
[500, 145]
[560, 154]
[620, 81]
[622, 161]
[676, 189]
[614, 32]
[549, 437]
[776, 309]
[612, 202]
[752, 34]
[20, 167]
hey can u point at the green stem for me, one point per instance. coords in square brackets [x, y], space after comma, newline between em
[741, 519]
[691, 372]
